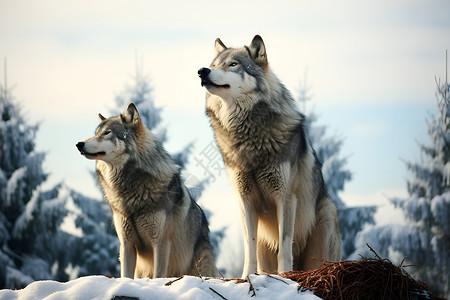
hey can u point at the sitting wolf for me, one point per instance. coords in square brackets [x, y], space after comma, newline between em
[287, 215]
[162, 230]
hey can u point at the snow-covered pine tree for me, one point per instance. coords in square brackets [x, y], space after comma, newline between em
[425, 239]
[31, 242]
[97, 249]
[427, 208]
[335, 175]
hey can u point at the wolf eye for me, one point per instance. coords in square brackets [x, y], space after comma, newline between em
[107, 132]
[233, 64]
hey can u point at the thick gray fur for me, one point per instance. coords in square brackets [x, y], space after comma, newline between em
[162, 230]
[287, 216]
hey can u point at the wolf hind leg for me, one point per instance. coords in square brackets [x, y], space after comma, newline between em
[203, 262]
[325, 240]
[267, 258]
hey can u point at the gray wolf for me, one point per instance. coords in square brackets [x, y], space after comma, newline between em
[287, 216]
[162, 230]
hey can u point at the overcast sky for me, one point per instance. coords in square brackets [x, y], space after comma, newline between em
[371, 69]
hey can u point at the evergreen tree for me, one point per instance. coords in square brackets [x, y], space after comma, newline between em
[335, 175]
[97, 249]
[30, 235]
[428, 206]
[425, 239]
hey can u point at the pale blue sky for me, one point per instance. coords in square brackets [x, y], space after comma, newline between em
[371, 67]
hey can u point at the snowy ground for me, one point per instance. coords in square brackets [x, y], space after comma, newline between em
[188, 287]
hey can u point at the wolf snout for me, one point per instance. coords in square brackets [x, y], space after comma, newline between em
[203, 72]
[80, 146]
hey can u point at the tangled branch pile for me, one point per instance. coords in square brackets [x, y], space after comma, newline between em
[369, 278]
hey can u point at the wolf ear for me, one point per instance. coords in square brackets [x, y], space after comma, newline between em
[131, 116]
[258, 50]
[102, 118]
[219, 47]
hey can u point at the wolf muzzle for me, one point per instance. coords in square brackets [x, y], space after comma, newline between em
[203, 74]
[94, 155]
[80, 146]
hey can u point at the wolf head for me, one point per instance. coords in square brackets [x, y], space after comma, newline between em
[236, 72]
[114, 137]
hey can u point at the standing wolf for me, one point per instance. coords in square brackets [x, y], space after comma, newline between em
[162, 230]
[287, 215]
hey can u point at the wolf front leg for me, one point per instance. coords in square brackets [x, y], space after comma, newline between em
[127, 259]
[127, 255]
[286, 210]
[248, 195]
[161, 246]
[161, 255]
[250, 235]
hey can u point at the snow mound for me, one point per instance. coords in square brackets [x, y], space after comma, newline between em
[187, 287]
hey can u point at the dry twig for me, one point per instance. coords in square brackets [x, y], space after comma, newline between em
[251, 288]
[172, 281]
[196, 266]
[217, 293]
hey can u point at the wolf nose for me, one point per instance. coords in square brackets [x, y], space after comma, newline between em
[203, 72]
[80, 146]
